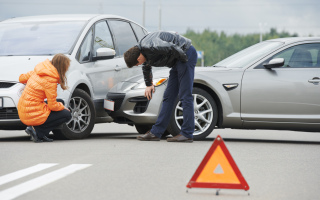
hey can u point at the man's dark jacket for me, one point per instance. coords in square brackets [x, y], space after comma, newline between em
[162, 49]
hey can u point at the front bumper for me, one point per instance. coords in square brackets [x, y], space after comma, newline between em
[9, 118]
[131, 107]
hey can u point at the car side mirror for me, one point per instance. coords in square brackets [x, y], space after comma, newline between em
[104, 54]
[274, 63]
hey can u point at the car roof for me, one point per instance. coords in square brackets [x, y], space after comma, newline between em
[66, 17]
[294, 39]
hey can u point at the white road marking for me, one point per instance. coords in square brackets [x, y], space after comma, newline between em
[24, 172]
[36, 183]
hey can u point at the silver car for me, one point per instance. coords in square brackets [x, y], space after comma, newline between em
[270, 85]
[95, 45]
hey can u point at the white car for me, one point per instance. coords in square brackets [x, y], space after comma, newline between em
[94, 43]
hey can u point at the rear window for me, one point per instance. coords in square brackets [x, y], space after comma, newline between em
[38, 38]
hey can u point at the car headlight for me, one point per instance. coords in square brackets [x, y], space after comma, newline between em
[157, 82]
[20, 91]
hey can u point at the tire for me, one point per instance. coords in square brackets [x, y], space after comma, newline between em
[211, 117]
[142, 129]
[82, 123]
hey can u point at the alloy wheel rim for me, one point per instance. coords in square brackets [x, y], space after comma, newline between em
[203, 114]
[81, 115]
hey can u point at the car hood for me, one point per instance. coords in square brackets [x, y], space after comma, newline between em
[11, 67]
[164, 73]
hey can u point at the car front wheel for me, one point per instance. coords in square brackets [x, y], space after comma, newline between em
[83, 117]
[205, 115]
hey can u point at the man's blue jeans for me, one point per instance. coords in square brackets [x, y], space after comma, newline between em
[180, 82]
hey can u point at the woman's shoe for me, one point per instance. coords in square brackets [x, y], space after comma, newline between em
[46, 139]
[28, 130]
[33, 134]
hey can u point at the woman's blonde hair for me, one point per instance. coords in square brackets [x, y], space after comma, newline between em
[61, 63]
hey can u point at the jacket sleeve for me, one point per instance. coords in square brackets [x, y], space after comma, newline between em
[147, 74]
[51, 94]
[23, 78]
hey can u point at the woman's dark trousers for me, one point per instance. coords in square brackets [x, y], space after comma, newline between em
[55, 119]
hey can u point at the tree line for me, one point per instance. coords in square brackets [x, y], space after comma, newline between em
[217, 46]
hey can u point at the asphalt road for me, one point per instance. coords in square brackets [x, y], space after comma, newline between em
[276, 165]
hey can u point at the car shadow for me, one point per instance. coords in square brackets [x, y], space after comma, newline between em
[262, 141]
[15, 139]
[133, 136]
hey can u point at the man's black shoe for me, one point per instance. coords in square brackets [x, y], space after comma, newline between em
[179, 138]
[46, 139]
[148, 137]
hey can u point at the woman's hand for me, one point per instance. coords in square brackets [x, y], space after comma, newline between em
[148, 92]
[66, 109]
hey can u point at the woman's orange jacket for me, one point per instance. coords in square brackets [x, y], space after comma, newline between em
[41, 84]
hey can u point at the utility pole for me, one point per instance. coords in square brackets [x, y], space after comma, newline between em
[261, 26]
[143, 13]
[202, 59]
[159, 15]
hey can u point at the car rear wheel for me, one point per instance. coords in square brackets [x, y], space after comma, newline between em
[83, 117]
[205, 115]
[142, 129]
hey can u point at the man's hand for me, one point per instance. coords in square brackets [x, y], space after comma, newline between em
[148, 92]
[66, 109]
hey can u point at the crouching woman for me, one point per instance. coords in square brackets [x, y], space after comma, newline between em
[42, 84]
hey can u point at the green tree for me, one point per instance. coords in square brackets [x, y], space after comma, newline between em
[218, 46]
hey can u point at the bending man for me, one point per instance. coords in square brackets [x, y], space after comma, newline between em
[161, 49]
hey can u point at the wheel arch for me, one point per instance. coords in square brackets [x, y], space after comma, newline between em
[84, 87]
[216, 99]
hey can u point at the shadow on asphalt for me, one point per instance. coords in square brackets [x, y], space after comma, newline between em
[133, 136]
[263, 141]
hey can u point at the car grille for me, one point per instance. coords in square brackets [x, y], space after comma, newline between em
[141, 104]
[9, 113]
[141, 107]
[117, 104]
[6, 85]
[117, 98]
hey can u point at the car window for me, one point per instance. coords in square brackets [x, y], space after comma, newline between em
[85, 48]
[124, 36]
[38, 38]
[249, 55]
[300, 56]
[102, 37]
[138, 30]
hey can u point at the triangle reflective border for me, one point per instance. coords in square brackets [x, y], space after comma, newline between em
[218, 170]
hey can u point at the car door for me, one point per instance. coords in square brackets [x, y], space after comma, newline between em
[290, 93]
[124, 38]
[103, 72]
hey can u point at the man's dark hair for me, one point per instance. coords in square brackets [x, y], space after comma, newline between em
[131, 56]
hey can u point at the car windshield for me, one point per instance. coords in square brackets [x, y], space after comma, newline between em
[38, 38]
[248, 55]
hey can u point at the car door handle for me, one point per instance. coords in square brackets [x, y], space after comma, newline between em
[314, 80]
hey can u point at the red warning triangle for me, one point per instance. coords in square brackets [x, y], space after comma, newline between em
[218, 170]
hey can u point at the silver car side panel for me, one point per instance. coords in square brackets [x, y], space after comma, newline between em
[230, 100]
[279, 97]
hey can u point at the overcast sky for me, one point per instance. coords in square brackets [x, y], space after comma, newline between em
[232, 16]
